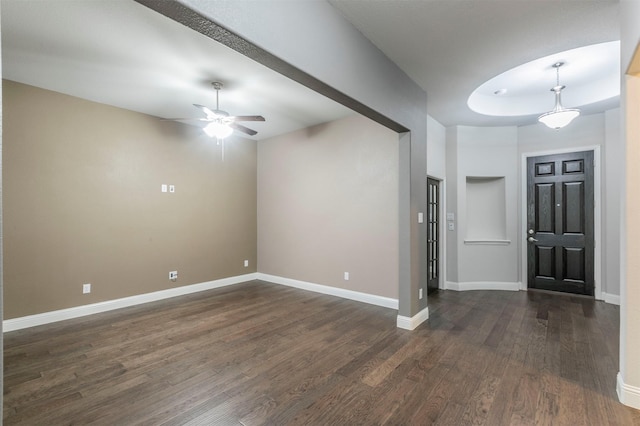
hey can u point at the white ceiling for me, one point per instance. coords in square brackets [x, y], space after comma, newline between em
[120, 53]
[451, 47]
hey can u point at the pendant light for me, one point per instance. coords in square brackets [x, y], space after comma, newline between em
[559, 116]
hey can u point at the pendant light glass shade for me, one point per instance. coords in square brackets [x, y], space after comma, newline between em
[217, 129]
[559, 116]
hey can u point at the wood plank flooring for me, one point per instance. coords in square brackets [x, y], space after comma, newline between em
[259, 353]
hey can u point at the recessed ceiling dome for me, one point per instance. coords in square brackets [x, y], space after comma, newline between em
[591, 74]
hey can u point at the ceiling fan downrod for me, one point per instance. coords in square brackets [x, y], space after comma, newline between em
[217, 86]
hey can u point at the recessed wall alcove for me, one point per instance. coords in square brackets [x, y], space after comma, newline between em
[486, 210]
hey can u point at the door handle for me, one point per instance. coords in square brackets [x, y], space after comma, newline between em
[531, 239]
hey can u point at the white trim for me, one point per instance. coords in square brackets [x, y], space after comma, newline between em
[627, 394]
[597, 212]
[109, 305]
[443, 234]
[450, 285]
[483, 285]
[410, 323]
[488, 242]
[614, 299]
[372, 299]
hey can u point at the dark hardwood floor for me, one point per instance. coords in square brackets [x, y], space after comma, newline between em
[259, 353]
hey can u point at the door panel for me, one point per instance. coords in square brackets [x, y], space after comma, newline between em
[560, 222]
[546, 262]
[545, 200]
[573, 199]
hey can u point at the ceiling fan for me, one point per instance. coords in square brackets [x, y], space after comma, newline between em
[221, 124]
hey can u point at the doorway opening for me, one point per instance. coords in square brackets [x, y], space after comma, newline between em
[433, 235]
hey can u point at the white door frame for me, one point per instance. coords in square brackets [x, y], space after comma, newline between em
[597, 214]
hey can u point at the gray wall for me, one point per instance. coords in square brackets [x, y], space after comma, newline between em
[328, 204]
[312, 38]
[436, 149]
[437, 168]
[452, 203]
[487, 152]
[473, 151]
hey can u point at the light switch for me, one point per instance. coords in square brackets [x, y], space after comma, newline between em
[172, 188]
[450, 216]
[420, 217]
[163, 188]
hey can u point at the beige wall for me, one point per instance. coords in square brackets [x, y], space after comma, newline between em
[328, 204]
[82, 203]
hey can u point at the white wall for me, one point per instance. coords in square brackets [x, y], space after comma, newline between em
[436, 149]
[629, 375]
[328, 204]
[613, 174]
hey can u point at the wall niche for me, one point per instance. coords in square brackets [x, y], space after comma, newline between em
[486, 210]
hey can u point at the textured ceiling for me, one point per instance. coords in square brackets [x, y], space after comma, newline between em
[123, 54]
[450, 47]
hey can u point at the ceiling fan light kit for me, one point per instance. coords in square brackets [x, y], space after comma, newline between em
[220, 124]
[218, 129]
[559, 116]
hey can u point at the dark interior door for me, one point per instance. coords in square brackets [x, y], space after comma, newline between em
[433, 221]
[560, 222]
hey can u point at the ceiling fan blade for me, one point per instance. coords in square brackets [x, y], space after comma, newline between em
[184, 119]
[206, 110]
[248, 118]
[241, 128]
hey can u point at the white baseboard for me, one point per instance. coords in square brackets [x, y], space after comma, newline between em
[627, 394]
[81, 311]
[372, 299]
[410, 323]
[483, 285]
[614, 299]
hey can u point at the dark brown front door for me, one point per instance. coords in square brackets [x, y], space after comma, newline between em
[560, 222]
[433, 221]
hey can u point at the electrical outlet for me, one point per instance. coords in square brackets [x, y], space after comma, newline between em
[420, 294]
[246, 263]
[173, 275]
[86, 288]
